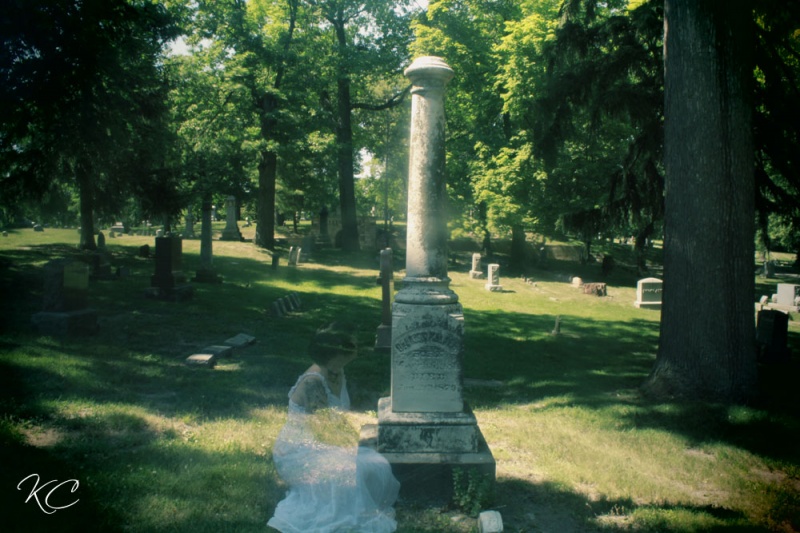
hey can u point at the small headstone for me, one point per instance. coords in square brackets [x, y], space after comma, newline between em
[288, 303]
[282, 305]
[276, 309]
[764, 300]
[38, 227]
[490, 522]
[276, 260]
[241, 340]
[648, 293]
[118, 227]
[101, 241]
[296, 299]
[476, 272]
[144, 251]
[159, 234]
[576, 281]
[771, 335]
[292, 256]
[494, 278]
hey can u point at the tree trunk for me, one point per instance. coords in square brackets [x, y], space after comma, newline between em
[706, 348]
[265, 201]
[86, 197]
[344, 144]
[517, 259]
[639, 248]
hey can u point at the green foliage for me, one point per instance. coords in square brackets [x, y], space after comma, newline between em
[472, 490]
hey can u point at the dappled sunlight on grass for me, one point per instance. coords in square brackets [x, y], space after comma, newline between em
[160, 446]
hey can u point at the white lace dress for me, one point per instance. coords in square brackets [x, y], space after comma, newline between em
[331, 488]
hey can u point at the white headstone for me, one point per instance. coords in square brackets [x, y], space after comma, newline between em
[476, 272]
[788, 294]
[493, 277]
[648, 293]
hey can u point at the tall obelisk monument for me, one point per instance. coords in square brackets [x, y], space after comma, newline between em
[425, 429]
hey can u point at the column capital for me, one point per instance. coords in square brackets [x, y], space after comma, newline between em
[430, 69]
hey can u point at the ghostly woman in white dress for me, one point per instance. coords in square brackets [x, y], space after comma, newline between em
[331, 488]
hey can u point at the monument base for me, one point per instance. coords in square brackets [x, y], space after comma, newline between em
[431, 477]
[476, 274]
[493, 288]
[383, 339]
[231, 235]
[66, 323]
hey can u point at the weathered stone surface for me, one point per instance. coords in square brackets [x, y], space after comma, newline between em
[427, 345]
[202, 360]
[490, 522]
[648, 293]
[241, 340]
[217, 350]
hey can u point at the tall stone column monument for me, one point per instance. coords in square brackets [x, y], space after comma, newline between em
[425, 430]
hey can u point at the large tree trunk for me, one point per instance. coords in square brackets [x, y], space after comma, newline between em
[707, 337]
[344, 144]
[265, 201]
[86, 197]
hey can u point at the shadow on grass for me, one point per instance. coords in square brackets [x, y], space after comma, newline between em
[137, 359]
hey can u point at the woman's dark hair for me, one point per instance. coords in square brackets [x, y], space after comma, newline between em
[337, 338]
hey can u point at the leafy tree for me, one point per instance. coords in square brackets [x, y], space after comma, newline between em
[465, 33]
[83, 100]
[370, 44]
[706, 347]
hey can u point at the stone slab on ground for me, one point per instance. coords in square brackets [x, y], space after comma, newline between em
[202, 360]
[240, 341]
[218, 350]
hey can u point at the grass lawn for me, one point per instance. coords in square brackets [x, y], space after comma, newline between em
[157, 446]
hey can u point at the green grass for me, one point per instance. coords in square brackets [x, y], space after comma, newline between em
[158, 446]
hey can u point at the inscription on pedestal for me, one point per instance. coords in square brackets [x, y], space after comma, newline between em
[426, 359]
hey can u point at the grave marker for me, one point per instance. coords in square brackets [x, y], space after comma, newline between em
[494, 278]
[231, 231]
[648, 293]
[425, 429]
[475, 272]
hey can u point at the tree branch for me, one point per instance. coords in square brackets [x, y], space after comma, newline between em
[394, 101]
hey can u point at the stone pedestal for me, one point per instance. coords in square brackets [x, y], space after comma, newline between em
[231, 231]
[424, 428]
